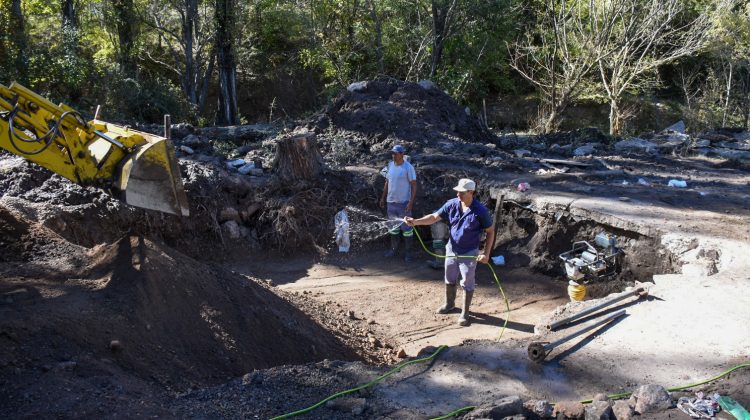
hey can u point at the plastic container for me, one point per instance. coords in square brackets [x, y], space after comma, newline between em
[341, 233]
[677, 183]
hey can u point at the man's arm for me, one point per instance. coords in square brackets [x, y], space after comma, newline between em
[385, 194]
[422, 221]
[413, 196]
[484, 257]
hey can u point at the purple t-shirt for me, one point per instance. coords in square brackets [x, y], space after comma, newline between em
[466, 227]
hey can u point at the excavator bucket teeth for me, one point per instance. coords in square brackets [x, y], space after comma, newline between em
[150, 178]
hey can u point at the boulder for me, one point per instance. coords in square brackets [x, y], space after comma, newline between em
[678, 127]
[232, 229]
[599, 410]
[586, 149]
[636, 145]
[539, 408]
[623, 411]
[357, 86]
[504, 407]
[427, 84]
[651, 398]
[569, 410]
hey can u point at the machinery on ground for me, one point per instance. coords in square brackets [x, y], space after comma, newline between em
[585, 263]
[139, 168]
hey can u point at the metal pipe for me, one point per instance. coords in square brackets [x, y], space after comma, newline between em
[537, 351]
[581, 314]
[110, 139]
[604, 320]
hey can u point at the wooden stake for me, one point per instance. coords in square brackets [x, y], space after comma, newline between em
[96, 114]
[168, 126]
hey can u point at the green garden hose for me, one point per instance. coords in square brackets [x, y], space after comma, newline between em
[494, 275]
[679, 388]
[361, 387]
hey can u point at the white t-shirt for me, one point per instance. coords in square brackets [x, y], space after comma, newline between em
[399, 181]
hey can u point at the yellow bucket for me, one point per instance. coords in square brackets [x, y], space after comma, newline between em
[577, 292]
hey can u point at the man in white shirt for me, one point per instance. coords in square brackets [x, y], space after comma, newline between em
[399, 194]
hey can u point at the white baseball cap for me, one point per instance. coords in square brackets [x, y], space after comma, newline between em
[465, 184]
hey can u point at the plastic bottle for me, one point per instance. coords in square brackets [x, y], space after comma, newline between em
[341, 221]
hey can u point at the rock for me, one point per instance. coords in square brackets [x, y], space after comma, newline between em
[505, 407]
[181, 130]
[401, 354]
[678, 127]
[651, 399]
[239, 134]
[586, 149]
[601, 397]
[115, 345]
[357, 87]
[229, 213]
[242, 150]
[427, 84]
[246, 168]
[599, 410]
[636, 144]
[622, 410]
[256, 172]
[250, 211]
[374, 341]
[187, 149]
[569, 410]
[232, 229]
[352, 405]
[490, 146]
[541, 408]
[192, 140]
[350, 314]
[522, 152]
[371, 322]
[702, 143]
[253, 378]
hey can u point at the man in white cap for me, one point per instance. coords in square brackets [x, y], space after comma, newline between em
[467, 218]
[399, 193]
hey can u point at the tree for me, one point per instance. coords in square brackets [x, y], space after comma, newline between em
[13, 41]
[646, 34]
[183, 26]
[124, 18]
[228, 112]
[557, 53]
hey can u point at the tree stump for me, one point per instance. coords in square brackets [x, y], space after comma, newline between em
[298, 157]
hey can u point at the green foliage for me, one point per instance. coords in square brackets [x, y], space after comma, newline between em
[291, 56]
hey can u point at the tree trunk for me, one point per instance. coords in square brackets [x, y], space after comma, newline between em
[615, 118]
[188, 27]
[729, 95]
[298, 157]
[439, 19]
[16, 45]
[69, 26]
[228, 112]
[125, 22]
[378, 35]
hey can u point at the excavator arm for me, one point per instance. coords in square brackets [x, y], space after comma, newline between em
[138, 168]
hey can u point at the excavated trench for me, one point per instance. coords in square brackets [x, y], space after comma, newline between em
[535, 238]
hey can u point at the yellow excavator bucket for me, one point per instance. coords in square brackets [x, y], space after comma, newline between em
[150, 178]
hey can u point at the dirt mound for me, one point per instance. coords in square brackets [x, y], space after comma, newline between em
[139, 309]
[382, 112]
